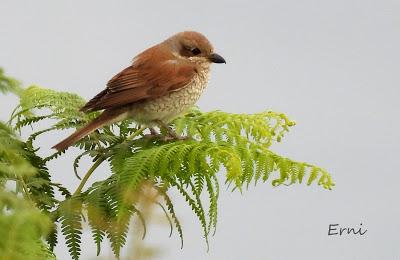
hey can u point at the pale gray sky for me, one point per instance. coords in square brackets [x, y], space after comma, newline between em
[333, 66]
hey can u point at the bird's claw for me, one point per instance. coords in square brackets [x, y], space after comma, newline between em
[166, 138]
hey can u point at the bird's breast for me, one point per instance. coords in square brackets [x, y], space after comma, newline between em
[173, 104]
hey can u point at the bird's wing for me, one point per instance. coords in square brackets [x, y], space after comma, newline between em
[147, 78]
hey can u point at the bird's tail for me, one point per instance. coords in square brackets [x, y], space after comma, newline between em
[105, 118]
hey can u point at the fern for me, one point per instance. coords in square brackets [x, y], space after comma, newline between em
[22, 224]
[12, 160]
[237, 144]
[71, 224]
[8, 84]
[22, 229]
[171, 211]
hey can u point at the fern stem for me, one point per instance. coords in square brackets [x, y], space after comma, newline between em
[100, 160]
[136, 133]
[25, 188]
[88, 174]
[9, 122]
[168, 218]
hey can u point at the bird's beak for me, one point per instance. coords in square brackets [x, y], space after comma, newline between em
[216, 58]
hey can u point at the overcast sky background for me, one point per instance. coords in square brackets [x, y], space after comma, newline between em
[333, 66]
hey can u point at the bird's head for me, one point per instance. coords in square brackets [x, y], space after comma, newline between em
[194, 47]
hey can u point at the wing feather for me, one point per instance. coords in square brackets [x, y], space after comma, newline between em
[154, 73]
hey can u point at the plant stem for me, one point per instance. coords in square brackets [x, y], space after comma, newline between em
[99, 161]
[87, 175]
[136, 133]
[25, 188]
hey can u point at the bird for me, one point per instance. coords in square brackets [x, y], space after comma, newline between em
[161, 83]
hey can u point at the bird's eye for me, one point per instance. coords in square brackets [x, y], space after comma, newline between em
[195, 51]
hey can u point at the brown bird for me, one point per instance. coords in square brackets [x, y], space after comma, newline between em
[161, 84]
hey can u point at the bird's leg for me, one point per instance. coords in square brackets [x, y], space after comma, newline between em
[172, 134]
[153, 133]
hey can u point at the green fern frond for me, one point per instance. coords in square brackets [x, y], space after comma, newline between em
[39, 185]
[8, 84]
[200, 212]
[236, 144]
[118, 230]
[98, 222]
[264, 127]
[22, 228]
[99, 211]
[52, 238]
[18, 162]
[213, 204]
[182, 164]
[70, 212]
[13, 160]
[171, 211]
[63, 105]
[168, 218]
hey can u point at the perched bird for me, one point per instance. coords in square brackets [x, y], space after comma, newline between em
[161, 84]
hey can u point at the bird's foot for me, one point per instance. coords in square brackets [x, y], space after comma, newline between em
[153, 134]
[175, 137]
[166, 138]
[171, 134]
[153, 131]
